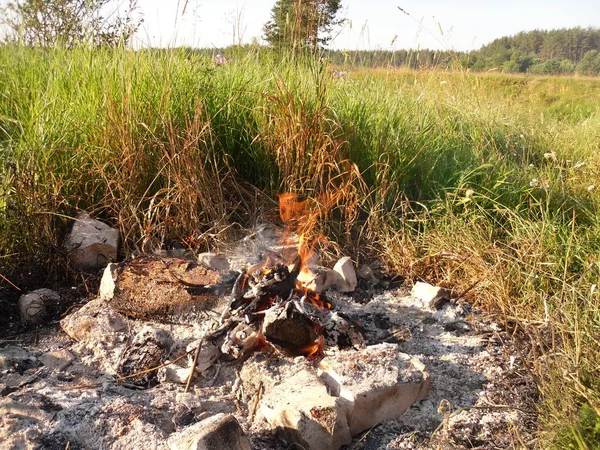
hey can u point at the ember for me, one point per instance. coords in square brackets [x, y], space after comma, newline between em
[273, 303]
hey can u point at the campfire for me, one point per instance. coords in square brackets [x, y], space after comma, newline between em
[273, 304]
[259, 343]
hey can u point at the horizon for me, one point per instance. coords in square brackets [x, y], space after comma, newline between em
[385, 25]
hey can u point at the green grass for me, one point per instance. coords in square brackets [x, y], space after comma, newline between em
[454, 178]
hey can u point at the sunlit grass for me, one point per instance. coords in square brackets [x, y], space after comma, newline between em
[479, 182]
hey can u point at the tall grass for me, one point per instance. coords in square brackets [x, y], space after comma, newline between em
[484, 184]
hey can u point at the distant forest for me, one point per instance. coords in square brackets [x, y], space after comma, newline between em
[541, 52]
[553, 52]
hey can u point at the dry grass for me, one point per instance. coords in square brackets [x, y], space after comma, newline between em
[474, 183]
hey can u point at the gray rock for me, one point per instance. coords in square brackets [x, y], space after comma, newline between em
[190, 401]
[219, 432]
[57, 360]
[95, 322]
[214, 261]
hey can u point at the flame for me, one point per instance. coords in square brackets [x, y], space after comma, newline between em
[290, 208]
[299, 218]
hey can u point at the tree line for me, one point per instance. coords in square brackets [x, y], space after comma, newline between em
[541, 52]
[307, 26]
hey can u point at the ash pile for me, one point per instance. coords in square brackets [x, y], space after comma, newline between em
[263, 348]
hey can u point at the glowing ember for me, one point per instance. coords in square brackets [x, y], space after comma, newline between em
[274, 299]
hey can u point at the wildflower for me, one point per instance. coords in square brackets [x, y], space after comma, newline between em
[220, 60]
[591, 187]
[531, 165]
[550, 155]
[443, 82]
[533, 182]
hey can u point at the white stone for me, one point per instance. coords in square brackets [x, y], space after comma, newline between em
[214, 261]
[92, 244]
[107, 283]
[347, 275]
[431, 296]
[302, 407]
[32, 306]
[319, 279]
[218, 432]
[375, 384]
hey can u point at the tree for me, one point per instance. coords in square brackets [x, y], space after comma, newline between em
[590, 63]
[302, 23]
[46, 23]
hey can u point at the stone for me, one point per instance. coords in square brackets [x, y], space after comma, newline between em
[301, 406]
[319, 279]
[347, 280]
[173, 374]
[374, 384]
[92, 244]
[32, 306]
[58, 359]
[107, 283]
[95, 321]
[209, 353]
[432, 297]
[218, 432]
[214, 261]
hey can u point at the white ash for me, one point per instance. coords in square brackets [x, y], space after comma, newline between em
[79, 403]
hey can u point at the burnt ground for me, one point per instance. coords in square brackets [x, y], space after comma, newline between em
[73, 287]
[483, 395]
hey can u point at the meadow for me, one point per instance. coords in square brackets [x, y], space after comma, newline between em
[485, 183]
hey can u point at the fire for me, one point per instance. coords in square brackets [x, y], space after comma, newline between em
[276, 299]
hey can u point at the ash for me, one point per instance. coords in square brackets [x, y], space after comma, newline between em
[57, 392]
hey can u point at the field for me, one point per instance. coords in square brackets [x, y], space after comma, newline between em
[484, 183]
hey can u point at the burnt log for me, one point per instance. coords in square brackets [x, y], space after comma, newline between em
[290, 330]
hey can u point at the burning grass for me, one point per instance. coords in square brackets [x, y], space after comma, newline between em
[451, 178]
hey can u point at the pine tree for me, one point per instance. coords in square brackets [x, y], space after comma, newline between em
[302, 23]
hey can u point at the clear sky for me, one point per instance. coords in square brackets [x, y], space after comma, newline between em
[372, 24]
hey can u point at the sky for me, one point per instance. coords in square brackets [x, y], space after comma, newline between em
[371, 24]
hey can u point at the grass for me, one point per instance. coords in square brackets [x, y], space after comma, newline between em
[483, 183]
